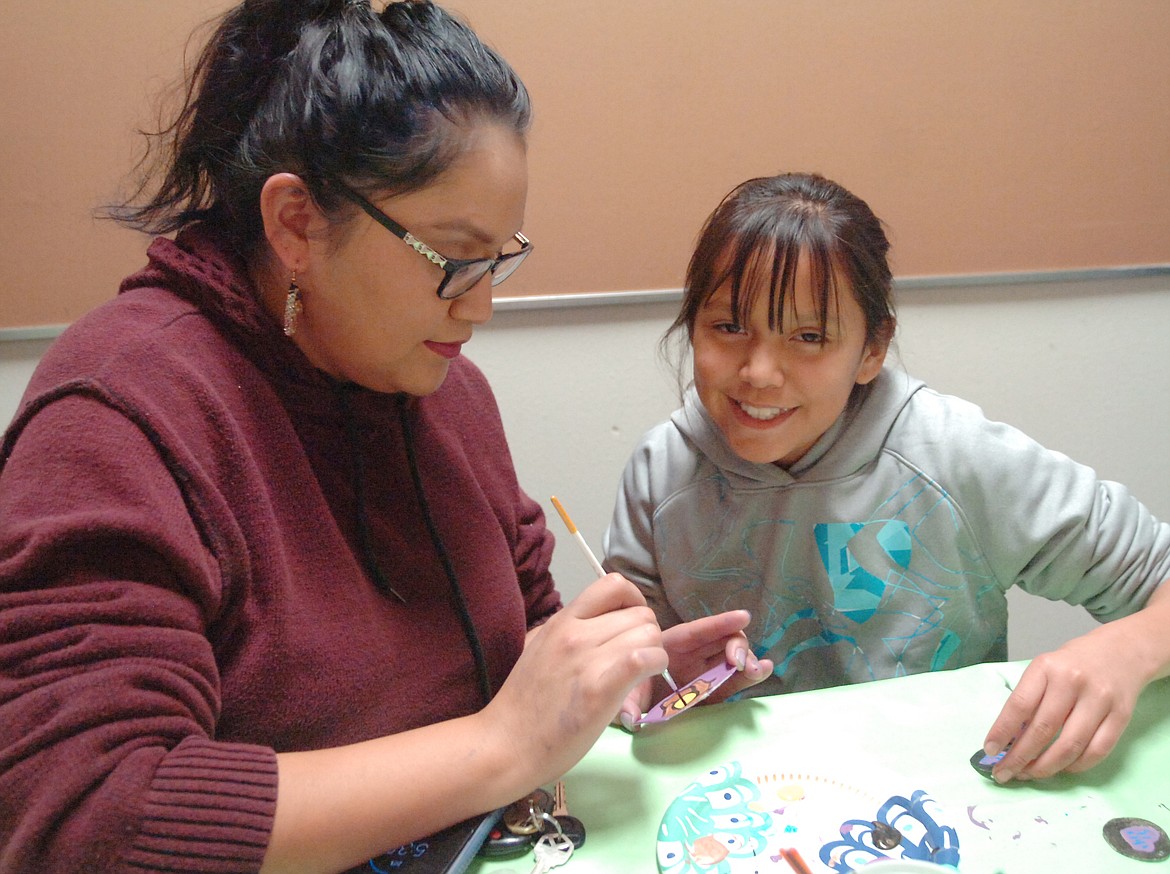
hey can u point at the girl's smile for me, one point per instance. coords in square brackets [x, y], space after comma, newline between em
[763, 414]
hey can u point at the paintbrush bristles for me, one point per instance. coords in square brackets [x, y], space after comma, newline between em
[564, 515]
[585, 550]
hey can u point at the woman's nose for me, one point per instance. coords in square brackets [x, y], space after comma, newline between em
[475, 304]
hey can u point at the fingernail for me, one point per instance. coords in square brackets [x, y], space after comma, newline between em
[626, 720]
[740, 659]
[1000, 776]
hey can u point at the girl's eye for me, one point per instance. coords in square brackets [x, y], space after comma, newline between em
[729, 328]
[809, 337]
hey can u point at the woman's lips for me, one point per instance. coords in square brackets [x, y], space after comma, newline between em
[446, 350]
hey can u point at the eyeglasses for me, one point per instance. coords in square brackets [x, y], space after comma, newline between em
[460, 275]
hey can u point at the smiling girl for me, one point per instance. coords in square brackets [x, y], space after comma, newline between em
[871, 525]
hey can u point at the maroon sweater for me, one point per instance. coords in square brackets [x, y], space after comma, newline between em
[183, 586]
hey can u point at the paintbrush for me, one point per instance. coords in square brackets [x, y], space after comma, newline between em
[596, 565]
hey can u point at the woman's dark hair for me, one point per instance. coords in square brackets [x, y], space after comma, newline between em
[331, 91]
[756, 235]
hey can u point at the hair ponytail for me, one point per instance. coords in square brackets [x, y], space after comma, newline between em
[326, 89]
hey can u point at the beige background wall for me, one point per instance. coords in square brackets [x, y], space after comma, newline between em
[991, 135]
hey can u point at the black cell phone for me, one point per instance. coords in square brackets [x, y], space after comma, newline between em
[447, 852]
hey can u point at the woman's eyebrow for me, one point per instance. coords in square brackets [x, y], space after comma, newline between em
[470, 229]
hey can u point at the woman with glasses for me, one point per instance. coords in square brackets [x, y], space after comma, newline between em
[271, 597]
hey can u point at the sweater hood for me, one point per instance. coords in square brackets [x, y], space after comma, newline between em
[841, 451]
[202, 267]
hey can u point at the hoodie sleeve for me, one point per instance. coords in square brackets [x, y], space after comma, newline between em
[109, 693]
[629, 540]
[1047, 523]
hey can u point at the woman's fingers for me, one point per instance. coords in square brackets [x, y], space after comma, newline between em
[601, 644]
[575, 674]
[609, 593]
[706, 635]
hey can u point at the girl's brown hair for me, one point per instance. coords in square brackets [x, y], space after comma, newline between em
[759, 232]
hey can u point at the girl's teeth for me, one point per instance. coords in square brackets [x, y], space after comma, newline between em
[761, 413]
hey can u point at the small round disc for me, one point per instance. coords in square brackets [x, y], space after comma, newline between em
[983, 763]
[1137, 838]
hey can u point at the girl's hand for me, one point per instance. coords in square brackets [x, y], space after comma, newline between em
[1067, 713]
[694, 647]
[1072, 705]
[574, 673]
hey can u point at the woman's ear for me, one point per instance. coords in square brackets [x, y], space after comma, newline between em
[291, 219]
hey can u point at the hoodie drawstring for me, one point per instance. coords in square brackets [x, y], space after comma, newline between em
[365, 537]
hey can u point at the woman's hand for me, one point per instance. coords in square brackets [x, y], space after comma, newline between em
[339, 806]
[1072, 705]
[695, 647]
[574, 673]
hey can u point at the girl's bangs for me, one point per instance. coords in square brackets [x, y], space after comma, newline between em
[761, 261]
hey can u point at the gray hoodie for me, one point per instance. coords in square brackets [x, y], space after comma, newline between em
[888, 548]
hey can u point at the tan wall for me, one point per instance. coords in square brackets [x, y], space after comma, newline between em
[991, 136]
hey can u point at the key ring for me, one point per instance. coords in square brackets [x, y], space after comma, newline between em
[549, 818]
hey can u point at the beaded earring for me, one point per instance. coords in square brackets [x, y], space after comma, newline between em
[292, 306]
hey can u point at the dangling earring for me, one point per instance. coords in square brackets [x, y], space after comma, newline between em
[292, 306]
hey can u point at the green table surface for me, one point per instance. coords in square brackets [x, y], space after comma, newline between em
[922, 730]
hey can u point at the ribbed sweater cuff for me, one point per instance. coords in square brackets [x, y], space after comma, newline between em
[209, 809]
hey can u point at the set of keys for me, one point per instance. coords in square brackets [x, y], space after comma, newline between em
[540, 823]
